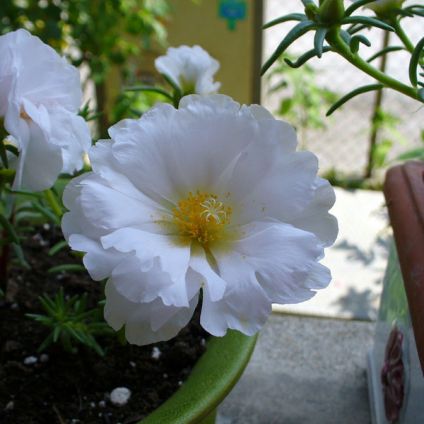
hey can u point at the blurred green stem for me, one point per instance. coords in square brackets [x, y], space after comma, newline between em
[337, 43]
[378, 101]
[402, 35]
[53, 202]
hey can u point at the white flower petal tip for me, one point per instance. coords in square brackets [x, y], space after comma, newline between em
[40, 93]
[191, 69]
[210, 199]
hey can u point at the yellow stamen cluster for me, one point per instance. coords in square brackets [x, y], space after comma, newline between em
[201, 217]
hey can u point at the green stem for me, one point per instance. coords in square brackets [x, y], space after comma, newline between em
[53, 203]
[337, 43]
[378, 102]
[402, 35]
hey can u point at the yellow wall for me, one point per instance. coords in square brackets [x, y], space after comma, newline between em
[238, 51]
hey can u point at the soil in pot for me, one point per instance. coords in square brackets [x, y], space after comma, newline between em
[59, 387]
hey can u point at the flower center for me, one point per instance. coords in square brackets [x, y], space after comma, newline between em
[202, 217]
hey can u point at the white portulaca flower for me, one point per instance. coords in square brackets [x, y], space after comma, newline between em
[212, 198]
[40, 94]
[191, 69]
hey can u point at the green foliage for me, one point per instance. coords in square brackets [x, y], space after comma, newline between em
[108, 32]
[386, 124]
[132, 104]
[352, 94]
[71, 322]
[413, 154]
[97, 33]
[334, 29]
[104, 32]
[339, 179]
[41, 18]
[306, 102]
[20, 212]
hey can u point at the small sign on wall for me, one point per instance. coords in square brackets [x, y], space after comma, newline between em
[232, 11]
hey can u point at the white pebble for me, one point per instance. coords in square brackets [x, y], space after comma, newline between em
[202, 342]
[46, 227]
[165, 375]
[9, 406]
[133, 364]
[92, 405]
[156, 353]
[120, 396]
[44, 357]
[14, 307]
[102, 404]
[30, 360]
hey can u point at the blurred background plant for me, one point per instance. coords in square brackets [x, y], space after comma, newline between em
[100, 36]
[394, 60]
[304, 101]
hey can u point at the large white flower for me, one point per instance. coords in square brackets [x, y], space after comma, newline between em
[212, 198]
[190, 68]
[40, 94]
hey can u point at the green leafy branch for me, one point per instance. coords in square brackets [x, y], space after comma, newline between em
[338, 30]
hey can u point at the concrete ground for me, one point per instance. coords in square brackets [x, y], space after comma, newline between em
[309, 364]
[304, 371]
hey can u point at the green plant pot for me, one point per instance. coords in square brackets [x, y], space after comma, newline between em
[210, 381]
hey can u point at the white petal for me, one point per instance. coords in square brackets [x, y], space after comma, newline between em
[102, 205]
[319, 277]
[75, 221]
[44, 76]
[40, 162]
[165, 315]
[244, 307]
[71, 133]
[281, 256]
[137, 284]
[273, 185]
[172, 254]
[315, 217]
[139, 318]
[7, 77]
[105, 165]
[274, 132]
[190, 68]
[98, 261]
[212, 282]
[178, 319]
[174, 152]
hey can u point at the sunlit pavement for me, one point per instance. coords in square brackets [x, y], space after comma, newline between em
[309, 364]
